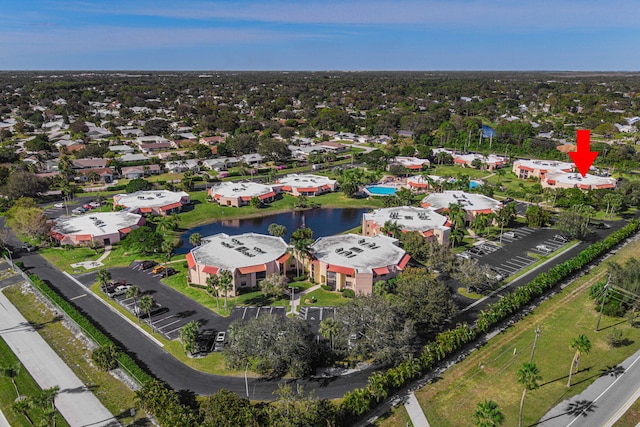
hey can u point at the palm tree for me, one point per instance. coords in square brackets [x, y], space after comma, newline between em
[103, 277]
[167, 248]
[391, 228]
[22, 406]
[455, 237]
[225, 283]
[329, 328]
[456, 215]
[133, 292]
[212, 283]
[479, 223]
[528, 376]
[488, 414]
[582, 345]
[12, 371]
[195, 239]
[277, 230]
[146, 304]
[301, 241]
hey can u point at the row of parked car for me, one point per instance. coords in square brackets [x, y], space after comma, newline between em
[115, 289]
[157, 268]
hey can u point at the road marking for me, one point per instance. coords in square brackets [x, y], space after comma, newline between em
[79, 296]
[244, 313]
[169, 324]
[173, 330]
[605, 390]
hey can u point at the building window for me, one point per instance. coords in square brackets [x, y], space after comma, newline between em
[331, 279]
[261, 275]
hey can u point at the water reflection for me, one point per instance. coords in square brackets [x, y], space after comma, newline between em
[323, 222]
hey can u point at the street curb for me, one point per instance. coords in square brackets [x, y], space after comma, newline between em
[90, 292]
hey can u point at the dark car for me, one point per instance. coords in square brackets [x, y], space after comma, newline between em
[148, 264]
[170, 271]
[507, 200]
[28, 247]
[602, 225]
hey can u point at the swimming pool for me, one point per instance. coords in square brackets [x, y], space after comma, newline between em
[378, 190]
[475, 184]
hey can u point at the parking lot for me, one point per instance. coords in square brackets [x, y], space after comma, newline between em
[315, 315]
[517, 247]
[173, 310]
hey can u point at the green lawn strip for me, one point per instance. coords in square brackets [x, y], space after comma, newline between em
[490, 372]
[323, 299]
[213, 363]
[631, 417]
[454, 171]
[399, 417]
[113, 394]
[541, 260]
[26, 386]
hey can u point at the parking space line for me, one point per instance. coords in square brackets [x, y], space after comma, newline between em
[79, 296]
[169, 324]
[244, 313]
[173, 330]
[258, 312]
[164, 318]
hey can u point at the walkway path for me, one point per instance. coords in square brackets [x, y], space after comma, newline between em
[418, 419]
[94, 264]
[296, 298]
[75, 402]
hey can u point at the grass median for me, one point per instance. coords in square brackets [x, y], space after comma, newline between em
[490, 372]
[113, 393]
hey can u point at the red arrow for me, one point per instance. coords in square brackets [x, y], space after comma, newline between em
[583, 157]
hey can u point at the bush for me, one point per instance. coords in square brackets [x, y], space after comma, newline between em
[348, 293]
[326, 287]
[300, 278]
[19, 264]
[195, 285]
[106, 357]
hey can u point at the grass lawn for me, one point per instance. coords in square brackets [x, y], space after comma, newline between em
[324, 299]
[113, 394]
[399, 417]
[26, 386]
[490, 372]
[631, 417]
[213, 363]
[472, 295]
[454, 171]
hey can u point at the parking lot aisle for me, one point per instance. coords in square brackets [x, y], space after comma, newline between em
[75, 401]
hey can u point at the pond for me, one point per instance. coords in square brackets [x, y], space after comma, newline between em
[323, 222]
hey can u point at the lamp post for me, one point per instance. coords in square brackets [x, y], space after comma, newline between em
[13, 266]
[246, 381]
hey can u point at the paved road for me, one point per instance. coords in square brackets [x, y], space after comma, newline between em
[177, 375]
[603, 402]
[75, 402]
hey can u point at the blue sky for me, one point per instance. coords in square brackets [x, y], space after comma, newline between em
[319, 35]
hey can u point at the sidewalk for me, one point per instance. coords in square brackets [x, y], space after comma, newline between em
[296, 298]
[418, 419]
[75, 402]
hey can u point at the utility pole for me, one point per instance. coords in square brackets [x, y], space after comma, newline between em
[535, 341]
[604, 298]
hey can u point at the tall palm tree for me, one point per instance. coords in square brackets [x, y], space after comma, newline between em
[528, 376]
[391, 228]
[582, 345]
[167, 248]
[146, 304]
[457, 215]
[488, 414]
[277, 230]
[195, 239]
[455, 237]
[329, 328]
[133, 292]
[225, 283]
[103, 277]
[212, 283]
[12, 371]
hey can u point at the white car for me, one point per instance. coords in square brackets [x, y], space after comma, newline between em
[543, 248]
[120, 290]
[59, 205]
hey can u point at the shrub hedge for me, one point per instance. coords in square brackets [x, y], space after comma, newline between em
[381, 384]
[124, 360]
